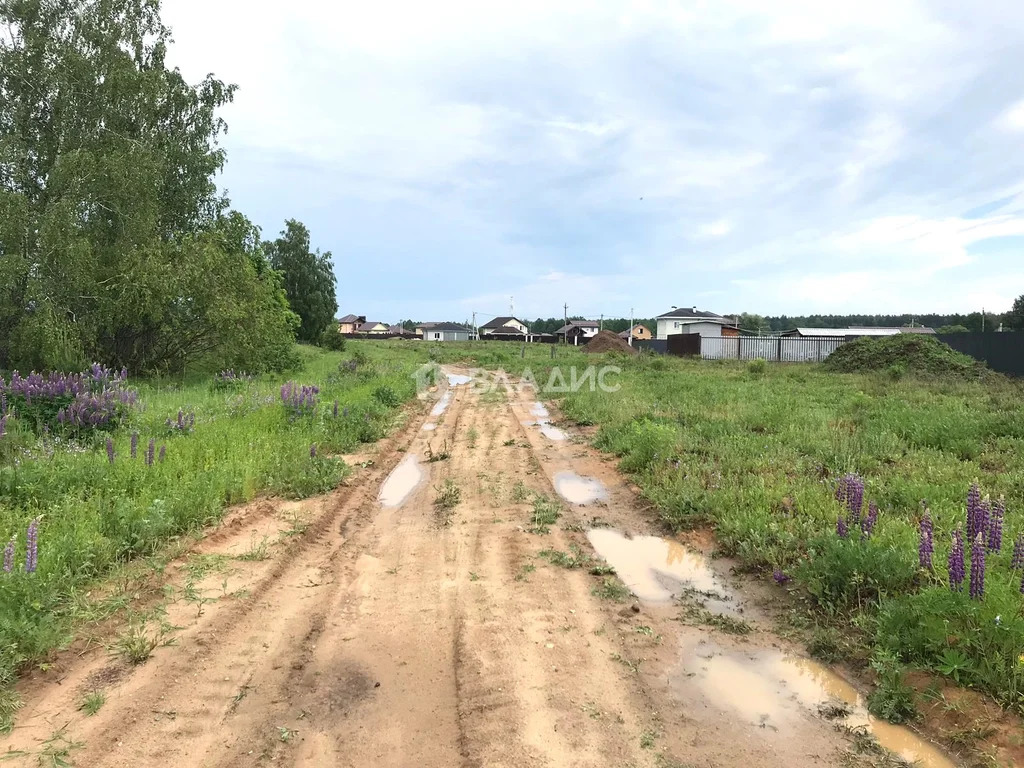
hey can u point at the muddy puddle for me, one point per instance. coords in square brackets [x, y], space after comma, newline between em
[577, 489]
[429, 427]
[657, 569]
[774, 691]
[458, 379]
[442, 405]
[402, 481]
[541, 413]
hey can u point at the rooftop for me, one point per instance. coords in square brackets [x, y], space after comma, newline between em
[692, 313]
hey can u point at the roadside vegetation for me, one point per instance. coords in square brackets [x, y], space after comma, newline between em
[142, 463]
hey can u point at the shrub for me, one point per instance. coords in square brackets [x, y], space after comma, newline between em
[331, 339]
[386, 396]
[757, 368]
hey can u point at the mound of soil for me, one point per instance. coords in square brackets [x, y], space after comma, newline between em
[609, 341]
[912, 353]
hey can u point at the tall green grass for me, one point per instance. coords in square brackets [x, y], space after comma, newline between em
[95, 514]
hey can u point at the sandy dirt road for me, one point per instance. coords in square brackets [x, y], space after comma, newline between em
[370, 627]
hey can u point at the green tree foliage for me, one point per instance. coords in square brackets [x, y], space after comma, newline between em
[309, 279]
[1015, 317]
[114, 243]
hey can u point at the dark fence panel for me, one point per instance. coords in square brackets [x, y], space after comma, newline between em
[659, 346]
[1003, 352]
[684, 344]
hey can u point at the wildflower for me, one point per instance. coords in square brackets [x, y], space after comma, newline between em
[1017, 561]
[926, 547]
[3, 425]
[780, 577]
[977, 587]
[32, 546]
[995, 525]
[135, 444]
[9, 556]
[163, 453]
[150, 452]
[867, 525]
[335, 409]
[973, 502]
[850, 493]
[842, 530]
[312, 451]
[956, 562]
[110, 450]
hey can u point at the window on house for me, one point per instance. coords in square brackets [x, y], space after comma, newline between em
[677, 325]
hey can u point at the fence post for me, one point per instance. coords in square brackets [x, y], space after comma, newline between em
[739, 343]
[778, 351]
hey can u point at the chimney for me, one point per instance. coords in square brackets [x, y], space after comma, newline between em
[694, 309]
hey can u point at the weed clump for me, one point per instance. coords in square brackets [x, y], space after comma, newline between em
[902, 354]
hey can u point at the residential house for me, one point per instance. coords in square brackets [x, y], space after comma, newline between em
[577, 330]
[373, 328]
[503, 327]
[693, 320]
[445, 332]
[640, 332]
[350, 323]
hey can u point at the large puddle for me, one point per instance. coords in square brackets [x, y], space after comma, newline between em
[577, 489]
[442, 405]
[771, 690]
[429, 427]
[657, 569]
[401, 482]
[457, 379]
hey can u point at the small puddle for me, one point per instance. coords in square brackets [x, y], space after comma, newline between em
[429, 427]
[401, 482]
[539, 410]
[657, 569]
[551, 432]
[579, 490]
[457, 379]
[771, 690]
[442, 405]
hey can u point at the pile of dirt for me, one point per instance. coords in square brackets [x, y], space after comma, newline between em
[904, 352]
[609, 341]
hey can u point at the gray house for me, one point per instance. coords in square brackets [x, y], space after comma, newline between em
[445, 332]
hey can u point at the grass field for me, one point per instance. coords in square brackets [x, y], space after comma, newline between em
[757, 452]
[95, 513]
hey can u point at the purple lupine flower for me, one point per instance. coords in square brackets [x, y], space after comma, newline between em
[983, 518]
[977, 588]
[995, 525]
[973, 502]
[135, 444]
[335, 409]
[9, 556]
[926, 546]
[163, 453]
[344, 412]
[850, 493]
[842, 530]
[150, 452]
[32, 546]
[1017, 561]
[867, 524]
[956, 562]
[779, 576]
[110, 450]
[312, 451]
[3, 425]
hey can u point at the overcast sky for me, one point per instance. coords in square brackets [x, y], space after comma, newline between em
[792, 156]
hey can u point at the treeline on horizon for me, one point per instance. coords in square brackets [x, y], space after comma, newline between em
[115, 245]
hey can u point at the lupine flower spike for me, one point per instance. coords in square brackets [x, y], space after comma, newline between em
[977, 588]
[150, 452]
[9, 556]
[926, 547]
[780, 577]
[867, 525]
[335, 409]
[135, 444]
[956, 562]
[995, 525]
[32, 546]
[312, 451]
[1017, 561]
[163, 453]
[973, 502]
[842, 531]
[110, 450]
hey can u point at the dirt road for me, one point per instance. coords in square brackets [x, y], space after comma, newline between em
[372, 627]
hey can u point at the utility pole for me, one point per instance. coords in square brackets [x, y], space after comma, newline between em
[600, 327]
[631, 326]
[511, 305]
[565, 317]
[982, 319]
[477, 335]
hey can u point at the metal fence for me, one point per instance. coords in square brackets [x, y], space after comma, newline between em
[1003, 352]
[774, 349]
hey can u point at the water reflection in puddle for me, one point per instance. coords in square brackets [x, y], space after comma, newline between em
[457, 379]
[547, 429]
[656, 569]
[442, 405]
[579, 490]
[771, 690]
[429, 427]
[401, 482]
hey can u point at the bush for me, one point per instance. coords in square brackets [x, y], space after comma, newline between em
[757, 368]
[331, 339]
[386, 396]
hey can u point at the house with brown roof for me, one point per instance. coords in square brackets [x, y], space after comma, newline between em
[577, 331]
[640, 332]
[503, 327]
[373, 328]
[693, 320]
[349, 323]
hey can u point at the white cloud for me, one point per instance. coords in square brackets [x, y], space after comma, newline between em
[716, 228]
[1013, 118]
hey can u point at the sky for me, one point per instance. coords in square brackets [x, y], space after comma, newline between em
[789, 157]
